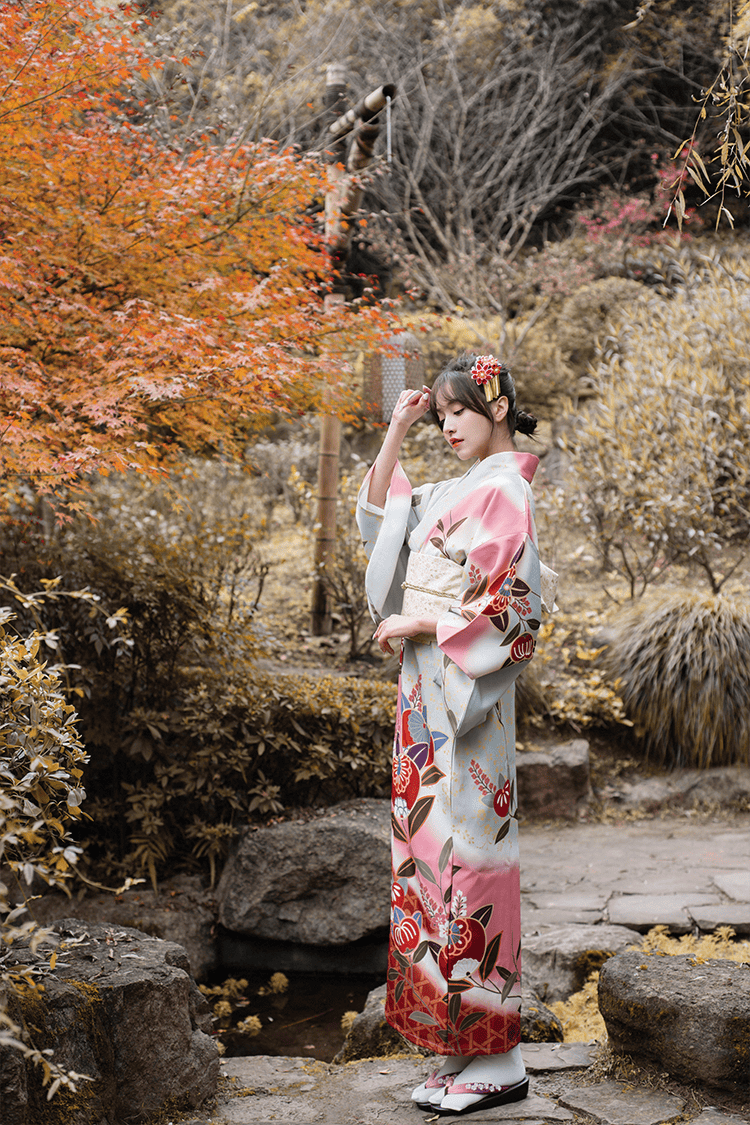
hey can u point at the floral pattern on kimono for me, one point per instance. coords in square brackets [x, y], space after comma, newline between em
[454, 975]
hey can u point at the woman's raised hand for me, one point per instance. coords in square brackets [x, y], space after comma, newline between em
[411, 406]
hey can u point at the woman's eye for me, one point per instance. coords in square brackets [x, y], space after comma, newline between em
[458, 413]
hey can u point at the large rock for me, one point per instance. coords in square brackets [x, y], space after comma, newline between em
[182, 911]
[538, 1023]
[370, 1036]
[119, 1007]
[725, 786]
[558, 962]
[556, 782]
[690, 1016]
[324, 881]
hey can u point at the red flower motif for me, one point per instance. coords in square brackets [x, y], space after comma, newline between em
[466, 940]
[405, 779]
[502, 592]
[501, 800]
[485, 368]
[397, 895]
[406, 934]
[522, 648]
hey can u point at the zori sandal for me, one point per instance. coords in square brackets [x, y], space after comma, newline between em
[490, 1096]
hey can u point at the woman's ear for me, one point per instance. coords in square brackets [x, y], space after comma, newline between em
[500, 408]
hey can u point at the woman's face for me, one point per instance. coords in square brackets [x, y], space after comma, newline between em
[469, 434]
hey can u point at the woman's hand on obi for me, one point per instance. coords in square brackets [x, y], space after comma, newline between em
[397, 626]
[410, 407]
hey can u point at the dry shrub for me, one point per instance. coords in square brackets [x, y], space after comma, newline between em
[584, 316]
[576, 692]
[661, 456]
[579, 1014]
[721, 945]
[680, 666]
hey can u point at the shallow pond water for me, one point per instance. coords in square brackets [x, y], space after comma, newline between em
[302, 1021]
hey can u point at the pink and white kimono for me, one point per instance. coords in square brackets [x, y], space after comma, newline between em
[454, 976]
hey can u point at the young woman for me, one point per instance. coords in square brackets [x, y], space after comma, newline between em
[474, 575]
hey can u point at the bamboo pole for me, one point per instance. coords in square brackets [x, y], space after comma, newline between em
[343, 199]
[330, 426]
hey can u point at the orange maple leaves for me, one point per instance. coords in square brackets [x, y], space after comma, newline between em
[150, 299]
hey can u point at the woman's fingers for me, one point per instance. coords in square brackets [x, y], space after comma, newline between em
[382, 640]
[411, 397]
[383, 644]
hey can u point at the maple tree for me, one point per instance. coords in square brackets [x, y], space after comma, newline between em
[152, 298]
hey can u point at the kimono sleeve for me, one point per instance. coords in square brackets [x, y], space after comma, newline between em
[488, 636]
[385, 532]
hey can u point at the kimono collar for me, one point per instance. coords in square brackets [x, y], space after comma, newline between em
[524, 463]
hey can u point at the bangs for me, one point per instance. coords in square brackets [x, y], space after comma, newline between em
[457, 387]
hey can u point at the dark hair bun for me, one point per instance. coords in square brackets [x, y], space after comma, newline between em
[525, 422]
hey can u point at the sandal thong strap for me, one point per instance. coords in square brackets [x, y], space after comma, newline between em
[482, 1088]
[438, 1081]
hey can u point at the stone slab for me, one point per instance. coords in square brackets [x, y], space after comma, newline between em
[641, 912]
[712, 1116]
[709, 918]
[572, 857]
[614, 1103]
[557, 962]
[533, 919]
[271, 1074]
[734, 884]
[368, 1092]
[580, 901]
[660, 883]
[553, 1057]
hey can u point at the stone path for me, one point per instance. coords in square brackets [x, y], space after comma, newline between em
[682, 872]
[272, 1091]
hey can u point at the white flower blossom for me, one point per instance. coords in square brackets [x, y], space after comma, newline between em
[464, 967]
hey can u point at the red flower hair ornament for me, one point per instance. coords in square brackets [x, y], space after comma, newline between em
[486, 373]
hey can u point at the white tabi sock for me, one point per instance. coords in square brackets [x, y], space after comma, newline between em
[499, 1070]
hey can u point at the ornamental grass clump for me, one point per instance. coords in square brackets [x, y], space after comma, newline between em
[680, 666]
